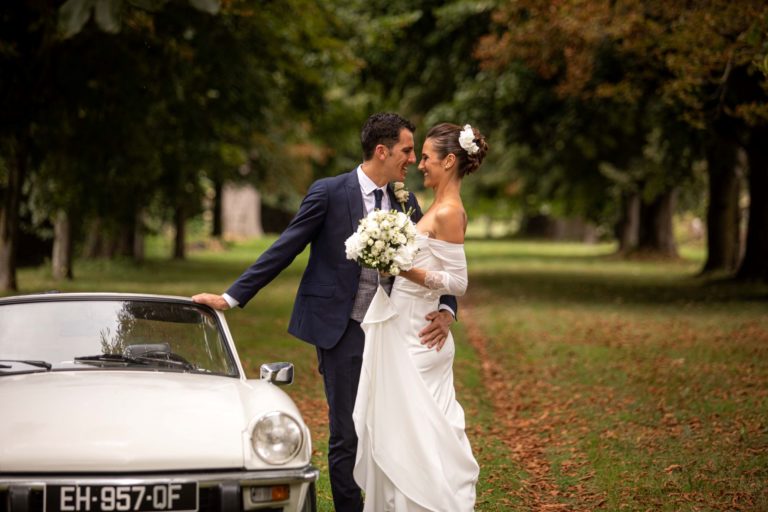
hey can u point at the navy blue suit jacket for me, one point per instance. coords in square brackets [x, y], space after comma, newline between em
[328, 215]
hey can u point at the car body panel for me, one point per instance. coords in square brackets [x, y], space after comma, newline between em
[83, 422]
[131, 421]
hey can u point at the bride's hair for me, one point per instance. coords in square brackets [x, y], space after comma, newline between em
[445, 138]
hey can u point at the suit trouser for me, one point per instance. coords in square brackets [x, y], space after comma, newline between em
[340, 367]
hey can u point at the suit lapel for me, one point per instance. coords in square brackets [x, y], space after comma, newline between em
[392, 199]
[354, 200]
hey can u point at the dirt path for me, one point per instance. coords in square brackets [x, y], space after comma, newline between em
[527, 435]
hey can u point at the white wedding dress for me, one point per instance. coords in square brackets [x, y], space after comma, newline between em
[412, 451]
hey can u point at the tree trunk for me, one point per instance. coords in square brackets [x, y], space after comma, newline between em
[217, 229]
[723, 210]
[124, 237]
[109, 245]
[100, 240]
[138, 237]
[754, 266]
[9, 218]
[93, 239]
[656, 235]
[61, 259]
[628, 226]
[179, 218]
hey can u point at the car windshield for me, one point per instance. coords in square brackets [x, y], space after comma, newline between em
[91, 334]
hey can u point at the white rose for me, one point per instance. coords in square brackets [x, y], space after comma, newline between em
[404, 257]
[352, 246]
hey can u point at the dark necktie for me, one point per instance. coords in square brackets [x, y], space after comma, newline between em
[377, 194]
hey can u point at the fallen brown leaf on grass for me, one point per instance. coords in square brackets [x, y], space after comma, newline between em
[528, 437]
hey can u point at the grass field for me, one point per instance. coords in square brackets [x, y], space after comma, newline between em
[590, 383]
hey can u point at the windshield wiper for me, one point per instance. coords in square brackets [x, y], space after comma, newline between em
[170, 359]
[150, 359]
[30, 362]
[110, 358]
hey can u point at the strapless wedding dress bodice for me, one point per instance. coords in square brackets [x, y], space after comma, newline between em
[413, 453]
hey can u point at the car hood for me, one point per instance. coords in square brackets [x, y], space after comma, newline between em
[120, 421]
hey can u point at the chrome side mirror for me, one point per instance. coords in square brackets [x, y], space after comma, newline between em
[279, 374]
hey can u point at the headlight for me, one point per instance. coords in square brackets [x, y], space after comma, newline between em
[276, 438]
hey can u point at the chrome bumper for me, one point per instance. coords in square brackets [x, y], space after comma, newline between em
[22, 492]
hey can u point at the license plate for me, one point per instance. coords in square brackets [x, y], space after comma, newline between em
[111, 498]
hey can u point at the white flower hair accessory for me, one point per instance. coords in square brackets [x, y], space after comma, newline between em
[467, 140]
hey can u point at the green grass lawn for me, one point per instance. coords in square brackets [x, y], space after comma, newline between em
[646, 387]
[598, 383]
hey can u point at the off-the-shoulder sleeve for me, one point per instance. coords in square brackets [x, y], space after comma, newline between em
[452, 279]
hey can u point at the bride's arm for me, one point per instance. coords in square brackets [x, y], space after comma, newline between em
[452, 280]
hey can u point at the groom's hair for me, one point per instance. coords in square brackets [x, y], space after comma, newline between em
[382, 128]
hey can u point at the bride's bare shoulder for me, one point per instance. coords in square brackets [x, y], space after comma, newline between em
[450, 223]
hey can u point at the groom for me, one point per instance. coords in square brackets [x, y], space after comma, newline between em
[334, 292]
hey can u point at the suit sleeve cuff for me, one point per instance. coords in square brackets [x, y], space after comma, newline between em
[445, 307]
[233, 302]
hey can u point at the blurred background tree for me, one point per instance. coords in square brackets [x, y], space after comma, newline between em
[687, 80]
[606, 119]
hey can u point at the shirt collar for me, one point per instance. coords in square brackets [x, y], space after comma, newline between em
[366, 184]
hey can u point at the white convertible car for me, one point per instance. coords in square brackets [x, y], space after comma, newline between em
[113, 402]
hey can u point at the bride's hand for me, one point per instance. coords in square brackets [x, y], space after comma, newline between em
[436, 332]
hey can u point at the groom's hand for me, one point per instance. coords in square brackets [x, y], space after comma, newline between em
[436, 332]
[211, 299]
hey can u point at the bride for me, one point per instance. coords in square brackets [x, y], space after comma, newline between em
[412, 452]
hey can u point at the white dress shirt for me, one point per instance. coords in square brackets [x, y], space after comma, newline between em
[367, 186]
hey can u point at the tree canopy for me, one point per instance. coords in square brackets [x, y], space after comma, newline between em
[121, 115]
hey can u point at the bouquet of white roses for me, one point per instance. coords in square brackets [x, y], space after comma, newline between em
[385, 241]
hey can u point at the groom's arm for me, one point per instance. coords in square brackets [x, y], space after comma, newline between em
[299, 233]
[450, 304]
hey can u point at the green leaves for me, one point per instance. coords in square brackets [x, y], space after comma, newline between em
[209, 6]
[74, 14]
